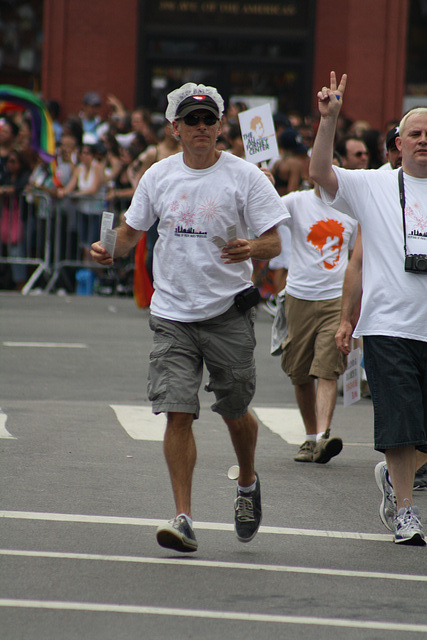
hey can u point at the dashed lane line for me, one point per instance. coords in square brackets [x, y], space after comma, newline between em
[47, 345]
[202, 526]
[212, 615]
[211, 564]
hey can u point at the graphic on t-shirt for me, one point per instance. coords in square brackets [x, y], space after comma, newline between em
[209, 209]
[416, 222]
[188, 221]
[327, 237]
[187, 216]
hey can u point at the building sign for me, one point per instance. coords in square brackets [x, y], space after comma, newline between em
[287, 14]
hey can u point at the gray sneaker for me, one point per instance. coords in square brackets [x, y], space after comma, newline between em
[388, 509]
[408, 528]
[248, 513]
[305, 453]
[178, 535]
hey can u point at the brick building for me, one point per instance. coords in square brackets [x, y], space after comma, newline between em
[140, 49]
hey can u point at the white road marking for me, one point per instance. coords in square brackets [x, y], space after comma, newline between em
[210, 564]
[4, 433]
[49, 345]
[287, 423]
[212, 615]
[203, 526]
[140, 422]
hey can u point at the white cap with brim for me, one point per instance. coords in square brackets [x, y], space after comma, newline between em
[191, 97]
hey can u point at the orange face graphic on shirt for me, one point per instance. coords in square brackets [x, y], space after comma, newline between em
[327, 237]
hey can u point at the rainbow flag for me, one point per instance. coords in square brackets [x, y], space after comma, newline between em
[42, 137]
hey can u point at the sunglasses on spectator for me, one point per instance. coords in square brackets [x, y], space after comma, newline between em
[191, 119]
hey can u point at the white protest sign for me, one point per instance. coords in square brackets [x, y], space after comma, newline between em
[352, 378]
[258, 133]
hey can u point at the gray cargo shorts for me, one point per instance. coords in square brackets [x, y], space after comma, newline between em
[225, 344]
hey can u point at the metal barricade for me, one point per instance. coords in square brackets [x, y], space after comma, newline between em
[49, 237]
[77, 223]
[25, 237]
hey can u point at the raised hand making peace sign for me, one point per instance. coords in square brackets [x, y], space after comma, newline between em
[330, 99]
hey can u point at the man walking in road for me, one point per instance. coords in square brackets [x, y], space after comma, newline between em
[391, 207]
[321, 241]
[201, 310]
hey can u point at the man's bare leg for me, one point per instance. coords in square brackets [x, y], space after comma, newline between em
[327, 447]
[401, 465]
[247, 506]
[326, 397]
[244, 433]
[316, 406]
[180, 452]
[305, 395]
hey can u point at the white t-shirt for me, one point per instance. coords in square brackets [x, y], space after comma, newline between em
[321, 239]
[394, 302]
[282, 260]
[191, 281]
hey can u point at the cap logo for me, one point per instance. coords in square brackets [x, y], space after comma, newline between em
[199, 97]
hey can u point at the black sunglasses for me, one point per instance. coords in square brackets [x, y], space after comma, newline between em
[191, 119]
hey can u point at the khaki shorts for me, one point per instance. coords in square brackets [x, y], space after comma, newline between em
[225, 344]
[310, 350]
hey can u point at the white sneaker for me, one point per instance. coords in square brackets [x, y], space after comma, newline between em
[408, 528]
[388, 509]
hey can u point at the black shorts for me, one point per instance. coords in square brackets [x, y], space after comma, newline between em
[397, 375]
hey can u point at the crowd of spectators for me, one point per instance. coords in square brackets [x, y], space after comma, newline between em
[103, 150]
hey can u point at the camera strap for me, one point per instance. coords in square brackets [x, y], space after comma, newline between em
[402, 204]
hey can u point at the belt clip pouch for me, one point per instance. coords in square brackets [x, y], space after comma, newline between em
[247, 299]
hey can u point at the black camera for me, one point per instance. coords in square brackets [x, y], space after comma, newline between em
[247, 299]
[416, 263]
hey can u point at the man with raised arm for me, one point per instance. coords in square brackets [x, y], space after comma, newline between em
[391, 207]
[202, 307]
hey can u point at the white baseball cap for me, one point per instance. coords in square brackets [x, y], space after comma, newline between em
[193, 96]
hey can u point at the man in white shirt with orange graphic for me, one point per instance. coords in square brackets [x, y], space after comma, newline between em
[321, 240]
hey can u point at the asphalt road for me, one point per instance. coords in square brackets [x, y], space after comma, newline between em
[81, 498]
